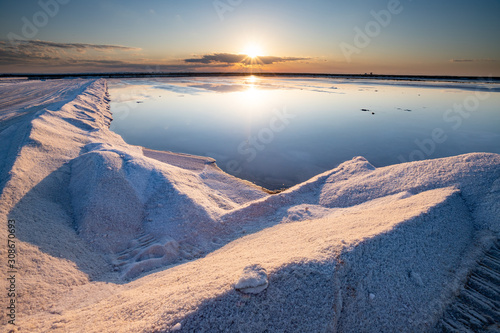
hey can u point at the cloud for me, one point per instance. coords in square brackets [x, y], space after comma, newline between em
[37, 55]
[233, 59]
[74, 46]
[473, 60]
[227, 58]
[10, 55]
[17, 60]
[37, 52]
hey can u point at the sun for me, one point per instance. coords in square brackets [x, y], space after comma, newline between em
[253, 50]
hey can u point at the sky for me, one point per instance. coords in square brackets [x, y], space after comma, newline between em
[417, 37]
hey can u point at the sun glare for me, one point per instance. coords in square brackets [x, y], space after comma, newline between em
[252, 51]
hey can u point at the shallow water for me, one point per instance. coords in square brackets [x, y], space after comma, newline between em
[278, 132]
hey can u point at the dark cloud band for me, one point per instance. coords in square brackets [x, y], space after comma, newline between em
[473, 60]
[233, 59]
[76, 46]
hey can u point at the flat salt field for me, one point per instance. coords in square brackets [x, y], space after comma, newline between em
[278, 132]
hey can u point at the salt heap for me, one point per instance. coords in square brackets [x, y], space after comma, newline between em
[114, 238]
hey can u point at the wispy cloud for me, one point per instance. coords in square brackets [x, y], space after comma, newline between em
[474, 60]
[233, 59]
[46, 52]
[75, 46]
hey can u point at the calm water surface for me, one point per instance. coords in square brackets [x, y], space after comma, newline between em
[279, 132]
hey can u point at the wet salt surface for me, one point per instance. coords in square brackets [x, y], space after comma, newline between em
[278, 132]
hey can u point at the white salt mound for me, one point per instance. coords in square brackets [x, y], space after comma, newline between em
[114, 238]
[253, 280]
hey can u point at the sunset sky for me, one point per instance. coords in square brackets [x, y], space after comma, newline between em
[316, 36]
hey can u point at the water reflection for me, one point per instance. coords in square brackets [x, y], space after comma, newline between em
[279, 132]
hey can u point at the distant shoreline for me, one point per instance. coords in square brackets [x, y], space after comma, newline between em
[233, 74]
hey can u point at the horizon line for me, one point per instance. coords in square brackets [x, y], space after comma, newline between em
[201, 74]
